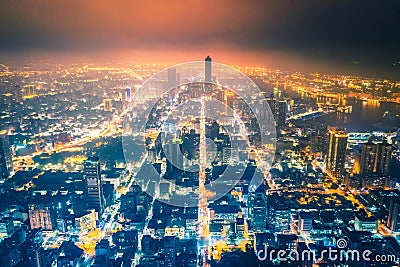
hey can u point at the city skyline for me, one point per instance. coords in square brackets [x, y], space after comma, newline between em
[214, 176]
[199, 133]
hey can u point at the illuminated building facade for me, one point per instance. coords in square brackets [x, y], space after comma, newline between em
[393, 222]
[335, 161]
[91, 169]
[6, 166]
[375, 158]
[258, 211]
[41, 216]
[86, 222]
[282, 107]
[107, 104]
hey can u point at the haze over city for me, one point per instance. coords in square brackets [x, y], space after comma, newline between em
[333, 36]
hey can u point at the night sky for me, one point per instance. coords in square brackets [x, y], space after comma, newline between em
[340, 36]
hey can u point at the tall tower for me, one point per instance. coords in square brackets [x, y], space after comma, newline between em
[207, 75]
[91, 171]
[281, 113]
[126, 97]
[336, 152]
[174, 156]
[128, 93]
[384, 157]
[208, 69]
[258, 210]
[18, 94]
[6, 166]
[272, 105]
[375, 158]
[368, 158]
[172, 78]
[169, 251]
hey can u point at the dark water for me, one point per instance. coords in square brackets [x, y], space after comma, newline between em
[367, 116]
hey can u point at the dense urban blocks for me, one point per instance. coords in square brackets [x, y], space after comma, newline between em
[69, 198]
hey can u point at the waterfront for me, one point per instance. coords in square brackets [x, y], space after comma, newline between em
[366, 115]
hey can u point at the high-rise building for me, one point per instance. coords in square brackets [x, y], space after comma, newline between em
[368, 158]
[258, 210]
[29, 90]
[172, 78]
[279, 218]
[305, 221]
[277, 92]
[170, 251]
[129, 203]
[282, 107]
[18, 94]
[6, 227]
[6, 166]
[393, 222]
[107, 104]
[229, 103]
[128, 93]
[42, 216]
[86, 221]
[208, 75]
[336, 157]
[397, 139]
[383, 159]
[375, 158]
[272, 105]
[317, 143]
[190, 144]
[126, 96]
[174, 156]
[91, 169]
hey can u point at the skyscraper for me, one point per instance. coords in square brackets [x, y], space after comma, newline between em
[229, 103]
[128, 93]
[174, 156]
[281, 113]
[208, 69]
[375, 158]
[258, 210]
[172, 78]
[336, 156]
[207, 75]
[6, 166]
[393, 222]
[126, 97]
[272, 105]
[91, 169]
[18, 94]
[170, 251]
[383, 159]
[29, 90]
[107, 104]
[368, 158]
